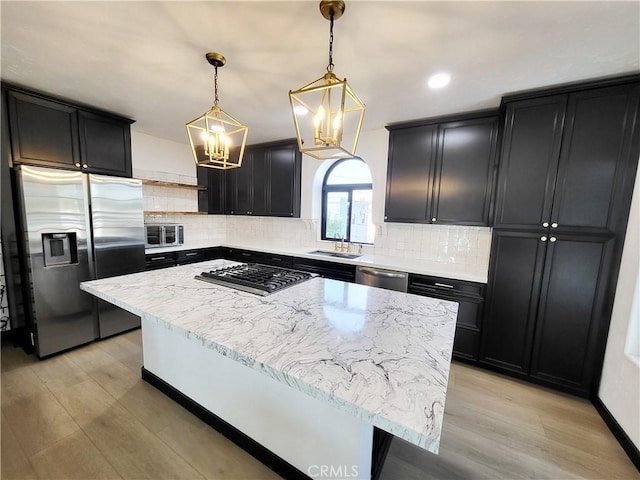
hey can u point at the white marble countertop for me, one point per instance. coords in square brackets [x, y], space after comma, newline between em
[472, 273]
[382, 355]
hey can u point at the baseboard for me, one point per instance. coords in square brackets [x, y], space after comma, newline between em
[625, 442]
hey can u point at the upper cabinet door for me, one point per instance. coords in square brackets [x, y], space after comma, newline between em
[42, 132]
[243, 188]
[528, 162]
[284, 181]
[259, 180]
[465, 172]
[596, 153]
[105, 144]
[410, 173]
[216, 191]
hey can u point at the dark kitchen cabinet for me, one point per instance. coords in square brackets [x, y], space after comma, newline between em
[154, 261]
[184, 257]
[211, 190]
[515, 276]
[277, 260]
[568, 165]
[565, 158]
[267, 183]
[43, 132]
[55, 133]
[245, 256]
[545, 306]
[470, 299]
[410, 173]
[284, 170]
[105, 144]
[332, 270]
[442, 172]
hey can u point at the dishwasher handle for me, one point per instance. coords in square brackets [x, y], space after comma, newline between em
[382, 273]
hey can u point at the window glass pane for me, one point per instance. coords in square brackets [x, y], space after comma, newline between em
[337, 214]
[349, 172]
[362, 228]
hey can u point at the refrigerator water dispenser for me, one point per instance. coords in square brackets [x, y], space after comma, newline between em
[59, 249]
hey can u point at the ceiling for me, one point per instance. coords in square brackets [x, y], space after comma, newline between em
[145, 60]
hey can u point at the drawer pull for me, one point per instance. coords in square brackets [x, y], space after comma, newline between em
[382, 273]
[443, 285]
[158, 258]
[191, 254]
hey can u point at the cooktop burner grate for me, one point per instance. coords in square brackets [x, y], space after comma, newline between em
[255, 277]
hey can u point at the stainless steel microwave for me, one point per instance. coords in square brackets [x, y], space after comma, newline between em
[163, 234]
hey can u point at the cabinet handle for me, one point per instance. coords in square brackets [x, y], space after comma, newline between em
[84, 165]
[552, 239]
[443, 285]
[191, 254]
[543, 238]
[382, 273]
[554, 225]
[158, 258]
[545, 224]
[78, 165]
[385, 217]
[434, 219]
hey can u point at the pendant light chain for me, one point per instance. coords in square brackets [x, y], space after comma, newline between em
[215, 81]
[330, 66]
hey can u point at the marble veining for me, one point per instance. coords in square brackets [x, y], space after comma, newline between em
[384, 356]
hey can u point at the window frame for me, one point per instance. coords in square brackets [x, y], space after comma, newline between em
[346, 187]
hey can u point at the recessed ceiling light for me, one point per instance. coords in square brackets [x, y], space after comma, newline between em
[439, 80]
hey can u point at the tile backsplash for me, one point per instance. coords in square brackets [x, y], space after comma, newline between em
[438, 243]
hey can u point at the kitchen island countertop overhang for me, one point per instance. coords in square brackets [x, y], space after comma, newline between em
[382, 356]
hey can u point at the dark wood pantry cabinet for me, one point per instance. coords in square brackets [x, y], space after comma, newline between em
[442, 170]
[50, 132]
[568, 163]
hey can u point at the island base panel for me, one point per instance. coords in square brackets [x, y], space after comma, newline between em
[314, 437]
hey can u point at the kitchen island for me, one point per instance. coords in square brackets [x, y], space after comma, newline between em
[307, 372]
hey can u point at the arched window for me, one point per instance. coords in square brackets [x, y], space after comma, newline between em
[346, 202]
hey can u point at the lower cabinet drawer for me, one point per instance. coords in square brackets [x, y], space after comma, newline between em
[190, 256]
[277, 260]
[466, 343]
[160, 260]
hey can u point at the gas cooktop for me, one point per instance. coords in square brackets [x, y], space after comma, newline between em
[255, 277]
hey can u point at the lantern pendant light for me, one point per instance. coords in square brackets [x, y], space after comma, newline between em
[217, 139]
[326, 111]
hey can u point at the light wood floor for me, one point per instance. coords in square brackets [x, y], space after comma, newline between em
[87, 415]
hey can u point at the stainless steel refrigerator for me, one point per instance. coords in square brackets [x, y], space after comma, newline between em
[77, 227]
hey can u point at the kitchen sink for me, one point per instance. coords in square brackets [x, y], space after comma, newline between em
[328, 253]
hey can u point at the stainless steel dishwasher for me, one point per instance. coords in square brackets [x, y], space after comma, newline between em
[378, 277]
